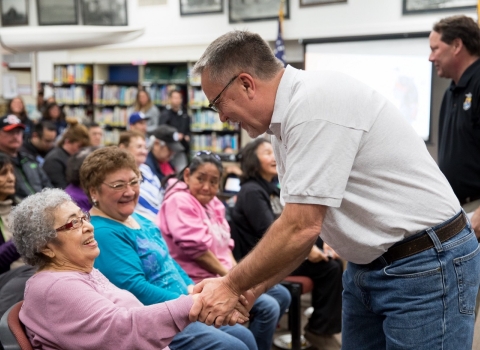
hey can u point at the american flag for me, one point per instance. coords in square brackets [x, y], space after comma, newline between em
[279, 45]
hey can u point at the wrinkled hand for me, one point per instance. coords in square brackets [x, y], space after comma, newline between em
[475, 220]
[316, 255]
[330, 252]
[217, 303]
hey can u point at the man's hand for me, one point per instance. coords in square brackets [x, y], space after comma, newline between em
[330, 252]
[216, 302]
[475, 220]
[316, 255]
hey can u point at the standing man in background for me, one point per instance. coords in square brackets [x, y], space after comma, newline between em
[175, 116]
[455, 45]
[414, 261]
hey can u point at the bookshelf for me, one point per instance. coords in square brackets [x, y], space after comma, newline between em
[105, 93]
[208, 132]
[72, 88]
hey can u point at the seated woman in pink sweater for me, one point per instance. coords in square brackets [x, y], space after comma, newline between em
[69, 304]
[192, 222]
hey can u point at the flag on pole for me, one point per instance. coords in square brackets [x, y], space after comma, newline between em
[279, 45]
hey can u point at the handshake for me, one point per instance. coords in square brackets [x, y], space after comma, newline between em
[216, 303]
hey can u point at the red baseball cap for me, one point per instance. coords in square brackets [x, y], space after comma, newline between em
[10, 121]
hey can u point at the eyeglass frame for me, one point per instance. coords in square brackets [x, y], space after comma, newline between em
[211, 105]
[208, 153]
[71, 225]
[120, 187]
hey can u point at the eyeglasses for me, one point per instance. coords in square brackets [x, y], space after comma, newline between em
[75, 223]
[122, 186]
[208, 153]
[212, 104]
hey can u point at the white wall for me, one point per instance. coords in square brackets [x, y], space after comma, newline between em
[171, 38]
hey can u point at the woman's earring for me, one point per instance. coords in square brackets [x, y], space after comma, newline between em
[94, 201]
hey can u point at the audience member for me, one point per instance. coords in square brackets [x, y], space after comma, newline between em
[13, 273]
[41, 141]
[95, 132]
[55, 165]
[174, 115]
[68, 303]
[143, 104]
[138, 122]
[257, 206]
[192, 222]
[151, 193]
[134, 255]
[30, 176]
[17, 106]
[164, 146]
[74, 190]
[54, 114]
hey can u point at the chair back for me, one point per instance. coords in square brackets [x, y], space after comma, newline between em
[17, 328]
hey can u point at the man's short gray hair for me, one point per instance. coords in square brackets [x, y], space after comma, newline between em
[32, 224]
[238, 52]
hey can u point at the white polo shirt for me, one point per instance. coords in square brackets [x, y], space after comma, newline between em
[341, 144]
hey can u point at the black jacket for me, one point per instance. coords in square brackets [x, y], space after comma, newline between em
[179, 120]
[30, 178]
[34, 152]
[55, 166]
[252, 215]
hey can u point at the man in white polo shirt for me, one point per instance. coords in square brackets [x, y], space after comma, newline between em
[354, 171]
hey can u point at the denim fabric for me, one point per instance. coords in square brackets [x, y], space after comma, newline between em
[199, 336]
[425, 301]
[265, 314]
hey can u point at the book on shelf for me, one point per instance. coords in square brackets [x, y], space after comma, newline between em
[114, 94]
[73, 73]
[213, 142]
[115, 117]
[209, 120]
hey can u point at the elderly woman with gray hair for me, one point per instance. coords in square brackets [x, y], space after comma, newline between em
[68, 303]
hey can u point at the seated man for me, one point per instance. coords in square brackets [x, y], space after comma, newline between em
[30, 176]
[41, 142]
[165, 144]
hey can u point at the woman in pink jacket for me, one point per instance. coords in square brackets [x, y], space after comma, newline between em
[192, 222]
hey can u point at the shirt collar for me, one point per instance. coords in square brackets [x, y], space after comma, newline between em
[282, 99]
[467, 75]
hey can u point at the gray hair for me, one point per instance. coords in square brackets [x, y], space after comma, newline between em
[32, 224]
[238, 52]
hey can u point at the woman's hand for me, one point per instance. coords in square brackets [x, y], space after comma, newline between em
[190, 289]
[330, 252]
[316, 255]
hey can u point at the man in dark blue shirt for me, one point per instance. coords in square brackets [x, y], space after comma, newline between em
[455, 45]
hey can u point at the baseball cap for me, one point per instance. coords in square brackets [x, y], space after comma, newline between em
[169, 135]
[136, 117]
[10, 121]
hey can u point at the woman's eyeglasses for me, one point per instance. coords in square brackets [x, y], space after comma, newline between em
[75, 223]
[208, 153]
[122, 186]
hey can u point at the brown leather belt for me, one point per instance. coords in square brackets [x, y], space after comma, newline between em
[424, 242]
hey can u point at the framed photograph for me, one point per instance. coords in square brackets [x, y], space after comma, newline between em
[53, 12]
[14, 12]
[305, 3]
[254, 10]
[105, 12]
[422, 6]
[200, 7]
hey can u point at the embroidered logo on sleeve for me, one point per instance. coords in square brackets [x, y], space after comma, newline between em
[468, 102]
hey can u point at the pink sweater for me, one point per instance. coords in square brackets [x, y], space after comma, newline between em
[190, 229]
[75, 310]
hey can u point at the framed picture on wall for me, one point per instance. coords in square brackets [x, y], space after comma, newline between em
[421, 6]
[14, 12]
[105, 12]
[200, 7]
[248, 10]
[304, 3]
[54, 12]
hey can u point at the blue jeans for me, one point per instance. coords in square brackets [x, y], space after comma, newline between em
[422, 302]
[266, 313]
[199, 336]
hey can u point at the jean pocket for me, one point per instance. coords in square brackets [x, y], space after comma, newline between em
[467, 269]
